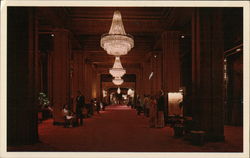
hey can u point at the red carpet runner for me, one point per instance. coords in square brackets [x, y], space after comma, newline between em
[118, 129]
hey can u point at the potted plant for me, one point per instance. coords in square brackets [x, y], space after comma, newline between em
[44, 105]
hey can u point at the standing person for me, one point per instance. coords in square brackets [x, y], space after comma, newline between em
[134, 105]
[146, 105]
[160, 109]
[104, 102]
[142, 105]
[98, 106]
[79, 107]
[166, 106]
[152, 111]
[139, 105]
[91, 107]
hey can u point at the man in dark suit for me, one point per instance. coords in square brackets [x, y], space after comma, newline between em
[79, 106]
[161, 108]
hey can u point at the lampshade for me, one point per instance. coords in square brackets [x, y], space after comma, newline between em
[175, 97]
[117, 81]
[130, 92]
[104, 93]
[117, 70]
[117, 42]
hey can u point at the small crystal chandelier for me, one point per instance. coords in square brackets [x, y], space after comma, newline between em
[117, 42]
[117, 70]
[117, 81]
[118, 90]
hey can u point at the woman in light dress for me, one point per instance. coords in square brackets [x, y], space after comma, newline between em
[69, 117]
[152, 112]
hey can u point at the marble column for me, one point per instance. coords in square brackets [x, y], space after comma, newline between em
[156, 67]
[146, 81]
[61, 72]
[139, 80]
[98, 86]
[207, 71]
[88, 81]
[93, 82]
[77, 75]
[22, 102]
[170, 61]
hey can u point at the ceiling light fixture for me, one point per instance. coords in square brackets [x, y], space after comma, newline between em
[118, 90]
[117, 42]
[150, 75]
[117, 70]
[117, 81]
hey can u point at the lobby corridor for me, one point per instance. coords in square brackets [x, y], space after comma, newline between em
[120, 129]
[179, 60]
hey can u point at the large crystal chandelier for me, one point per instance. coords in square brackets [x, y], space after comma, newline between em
[117, 42]
[117, 70]
[117, 81]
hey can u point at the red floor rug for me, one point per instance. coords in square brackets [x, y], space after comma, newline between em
[119, 129]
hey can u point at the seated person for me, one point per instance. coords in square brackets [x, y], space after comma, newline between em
[69, 116]
[85, 111]
[98, 106]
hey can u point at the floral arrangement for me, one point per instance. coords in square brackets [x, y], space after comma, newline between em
[43, 100]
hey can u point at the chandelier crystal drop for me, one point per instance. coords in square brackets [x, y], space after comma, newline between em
[117, 70]
[117, 42]
[117, 81]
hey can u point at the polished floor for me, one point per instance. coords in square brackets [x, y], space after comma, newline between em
[119, 129]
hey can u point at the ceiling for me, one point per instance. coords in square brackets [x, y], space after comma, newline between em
[87, 24]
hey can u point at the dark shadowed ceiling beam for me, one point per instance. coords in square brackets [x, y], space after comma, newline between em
[50, 18]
